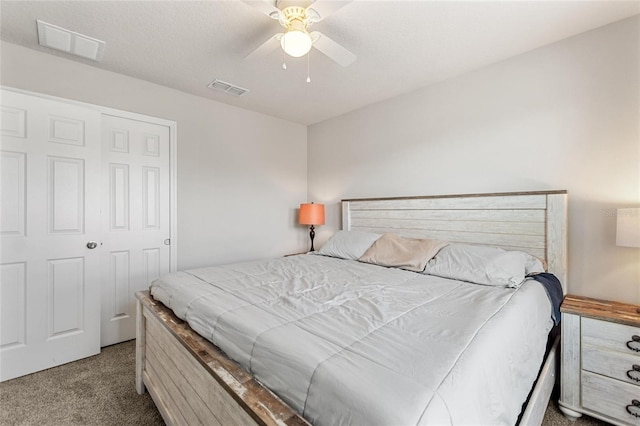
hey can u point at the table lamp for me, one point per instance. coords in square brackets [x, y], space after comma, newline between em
[312, 214]
[628, 228]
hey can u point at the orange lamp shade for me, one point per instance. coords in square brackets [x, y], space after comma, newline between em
[311, 214]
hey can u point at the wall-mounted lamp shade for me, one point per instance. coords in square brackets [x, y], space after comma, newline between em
[628, 228]
[311, 214]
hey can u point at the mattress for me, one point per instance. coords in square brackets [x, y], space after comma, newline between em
[343, 342]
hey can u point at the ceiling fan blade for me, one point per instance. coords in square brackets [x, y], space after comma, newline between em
[265, 7]
[265, 48]
[332, 49]
[324, 8]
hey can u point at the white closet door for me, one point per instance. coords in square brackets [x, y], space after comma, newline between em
[50, 211]
[135, 220]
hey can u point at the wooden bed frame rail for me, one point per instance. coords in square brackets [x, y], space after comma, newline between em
[193, 382]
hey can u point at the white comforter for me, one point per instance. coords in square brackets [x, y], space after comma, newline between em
[345, 342]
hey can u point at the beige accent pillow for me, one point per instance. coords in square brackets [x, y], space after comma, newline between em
[406, 253]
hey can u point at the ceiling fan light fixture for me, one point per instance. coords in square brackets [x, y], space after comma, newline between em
[296, 43]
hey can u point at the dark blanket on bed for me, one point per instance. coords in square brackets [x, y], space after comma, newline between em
[552, 286]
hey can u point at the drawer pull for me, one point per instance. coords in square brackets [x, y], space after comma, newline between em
[634, 343]
[634, 408]
[634, 373]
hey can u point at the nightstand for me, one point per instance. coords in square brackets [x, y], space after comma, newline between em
[600, 360]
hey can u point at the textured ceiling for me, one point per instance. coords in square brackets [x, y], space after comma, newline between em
[400, 45]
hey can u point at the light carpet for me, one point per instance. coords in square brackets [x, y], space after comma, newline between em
[100, 390]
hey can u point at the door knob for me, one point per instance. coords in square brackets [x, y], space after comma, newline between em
[91, 245]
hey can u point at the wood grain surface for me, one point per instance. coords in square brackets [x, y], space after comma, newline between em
[622, 313]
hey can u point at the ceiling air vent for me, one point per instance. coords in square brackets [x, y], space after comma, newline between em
[223, 86]
[62, 39]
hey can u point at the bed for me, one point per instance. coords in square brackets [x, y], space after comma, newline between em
[193, 382]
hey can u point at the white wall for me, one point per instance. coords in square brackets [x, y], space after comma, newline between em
[565, 116]
[241, 175]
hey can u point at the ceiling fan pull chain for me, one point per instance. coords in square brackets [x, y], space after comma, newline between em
[308, 73]
[284, 59]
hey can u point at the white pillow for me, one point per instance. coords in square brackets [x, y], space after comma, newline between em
[534, 266]
[481, 265]
[348, 244]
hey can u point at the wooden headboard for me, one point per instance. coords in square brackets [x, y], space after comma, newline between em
[533, 222]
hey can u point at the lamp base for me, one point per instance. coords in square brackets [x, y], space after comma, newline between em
[312, 235]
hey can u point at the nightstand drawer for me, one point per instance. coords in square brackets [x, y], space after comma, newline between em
[611, 364]
[611, 336]
[610, 397]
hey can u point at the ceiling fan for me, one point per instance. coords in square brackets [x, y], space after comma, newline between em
[296, 17]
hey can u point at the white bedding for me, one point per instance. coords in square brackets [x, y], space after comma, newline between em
[345, 342]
